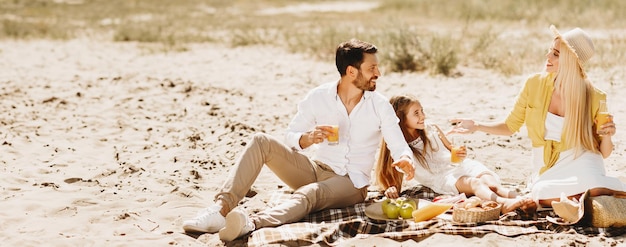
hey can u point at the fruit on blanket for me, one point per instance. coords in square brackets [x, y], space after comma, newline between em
[406, 210]
[392, 211]
[401, 200]
[394, 208]
[385, 205]
[412, 203]
[430, 211]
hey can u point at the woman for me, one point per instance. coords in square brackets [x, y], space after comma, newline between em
[559, 108]
[435, 170]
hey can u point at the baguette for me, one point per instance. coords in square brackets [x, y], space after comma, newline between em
[430, 211]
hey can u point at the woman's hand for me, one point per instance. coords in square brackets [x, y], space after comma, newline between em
[392, 192]
[607, 129]
[468, 126]
[462, 126]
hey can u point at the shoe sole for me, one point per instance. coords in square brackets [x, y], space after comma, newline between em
[235, 221]
[190, 228]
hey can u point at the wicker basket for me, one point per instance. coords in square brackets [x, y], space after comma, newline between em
[462, 215]
[607, 211]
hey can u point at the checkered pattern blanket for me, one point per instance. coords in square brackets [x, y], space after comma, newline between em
[332, 226]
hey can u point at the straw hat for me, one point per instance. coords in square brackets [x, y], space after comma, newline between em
[570, 211]
[597, 211]
[579, 42]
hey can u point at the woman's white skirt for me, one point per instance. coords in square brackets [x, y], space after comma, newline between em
[570, 176]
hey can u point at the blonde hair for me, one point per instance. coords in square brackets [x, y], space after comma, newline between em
[576, 99]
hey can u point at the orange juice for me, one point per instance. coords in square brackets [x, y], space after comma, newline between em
[602, 118]
[333, 139]
[454, 158]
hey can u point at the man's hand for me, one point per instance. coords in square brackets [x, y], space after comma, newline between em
[405, 165]
[315, 136]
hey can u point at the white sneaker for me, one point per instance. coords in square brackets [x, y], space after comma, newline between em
[237, 225]
[207, 220]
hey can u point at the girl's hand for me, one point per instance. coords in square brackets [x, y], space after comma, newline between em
[462, 153]
[392, 192]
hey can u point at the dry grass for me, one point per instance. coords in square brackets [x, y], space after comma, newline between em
[430, 35]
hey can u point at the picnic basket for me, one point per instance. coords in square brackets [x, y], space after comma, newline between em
[463, 215]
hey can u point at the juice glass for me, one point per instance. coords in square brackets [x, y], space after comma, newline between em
[333, 138]
[458, 144]
[603, 116]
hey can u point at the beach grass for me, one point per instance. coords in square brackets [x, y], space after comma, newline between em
[506, 36]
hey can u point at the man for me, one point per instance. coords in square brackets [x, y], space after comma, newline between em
[337, 175]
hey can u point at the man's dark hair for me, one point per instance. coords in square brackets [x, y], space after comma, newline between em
[350, 53]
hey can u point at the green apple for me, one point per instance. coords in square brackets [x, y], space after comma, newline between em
[392, 210]
[412, 202]
[401, 200]
[385, 205]
[406, 211]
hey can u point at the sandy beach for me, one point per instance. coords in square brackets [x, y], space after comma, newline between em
[114, 144]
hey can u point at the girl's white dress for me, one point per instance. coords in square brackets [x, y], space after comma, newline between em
[443, 175]
[568, 175]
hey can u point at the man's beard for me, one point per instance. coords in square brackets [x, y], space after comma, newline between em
[364, 84]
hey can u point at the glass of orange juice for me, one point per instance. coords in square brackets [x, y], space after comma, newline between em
[333, 138]
[458, 144]
[603, 115]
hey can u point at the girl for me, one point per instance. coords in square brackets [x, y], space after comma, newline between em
[435, 170]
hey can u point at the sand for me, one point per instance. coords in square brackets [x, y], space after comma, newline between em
[115, 144]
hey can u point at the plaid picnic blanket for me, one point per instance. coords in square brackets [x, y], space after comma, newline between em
[333, 226]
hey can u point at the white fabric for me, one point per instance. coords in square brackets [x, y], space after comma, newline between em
[554, 125]
[571, 176]
[568, 175]
[443, 175]
[360, 133]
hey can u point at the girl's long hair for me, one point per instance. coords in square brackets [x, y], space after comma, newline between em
[386, 176]
[577, 92]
